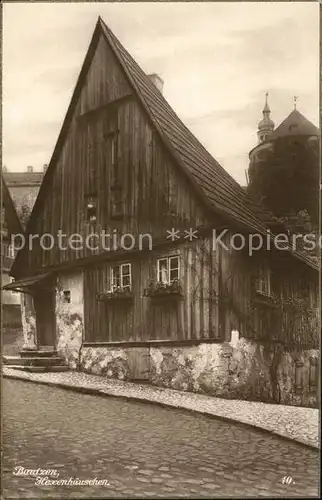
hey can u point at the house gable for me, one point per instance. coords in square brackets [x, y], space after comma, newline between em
[109, 135]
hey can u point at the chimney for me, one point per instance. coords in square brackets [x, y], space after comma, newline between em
[30, 169]
[45, 167]
[158, 82]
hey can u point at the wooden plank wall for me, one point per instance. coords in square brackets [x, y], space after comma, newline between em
[218, 297]
[195, 316]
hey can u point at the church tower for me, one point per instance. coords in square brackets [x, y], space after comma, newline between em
[284, 166]
[266, 125]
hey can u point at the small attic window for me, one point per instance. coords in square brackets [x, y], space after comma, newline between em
[293, 126]
[66, 296]
[91, 208]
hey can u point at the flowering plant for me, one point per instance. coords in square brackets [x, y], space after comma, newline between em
[161, 288]
[115, 293]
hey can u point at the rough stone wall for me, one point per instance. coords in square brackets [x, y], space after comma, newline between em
[248, 370]
[237, 370]
[106, 361]
[70, 318]
[222, 370]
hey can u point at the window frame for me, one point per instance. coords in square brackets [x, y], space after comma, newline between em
[263, 282]
[168, 259]
[67, 296]
[91, 199]
[121, 276]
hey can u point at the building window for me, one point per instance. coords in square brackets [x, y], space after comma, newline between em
[314, 373]
[3, 218]
[11, 252]
[66, 296]
[121, 277]
[91, 208]
[263, 279]
[12, 280]
[168, 269]
[298, 377]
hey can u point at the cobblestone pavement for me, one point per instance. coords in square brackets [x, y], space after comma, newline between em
[296, 423]
[142, 450]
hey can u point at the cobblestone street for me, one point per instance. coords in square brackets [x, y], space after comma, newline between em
[142, 450]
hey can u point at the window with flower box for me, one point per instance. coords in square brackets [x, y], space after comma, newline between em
[167, 281]
[120, 284]
[168, 269]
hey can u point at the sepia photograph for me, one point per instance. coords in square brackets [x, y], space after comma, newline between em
[160, 250]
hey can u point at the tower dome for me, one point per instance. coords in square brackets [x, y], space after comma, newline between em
[266, 125]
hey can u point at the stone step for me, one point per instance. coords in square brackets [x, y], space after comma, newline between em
[33, 361]
[39, 369]
[58, 368]
[26, 353]
[34, 369]
[15, 360]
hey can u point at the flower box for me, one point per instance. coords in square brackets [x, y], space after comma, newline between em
[159, 289]
[119, 294]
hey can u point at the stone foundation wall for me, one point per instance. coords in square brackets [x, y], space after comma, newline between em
[245, 370]
[248, 370]
[70, 318]
[109, 362]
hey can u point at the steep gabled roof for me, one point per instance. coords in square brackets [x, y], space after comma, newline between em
[221, 192]
[11, 217]
[294, 124]
[218, 190]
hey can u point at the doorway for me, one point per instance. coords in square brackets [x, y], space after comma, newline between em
[44, 303]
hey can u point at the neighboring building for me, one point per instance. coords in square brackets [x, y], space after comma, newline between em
[184, 314]
[284, 169]
[10, 224]
[24, 187]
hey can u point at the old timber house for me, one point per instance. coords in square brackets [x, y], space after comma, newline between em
[183, 314]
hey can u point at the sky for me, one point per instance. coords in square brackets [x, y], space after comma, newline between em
[217, 61]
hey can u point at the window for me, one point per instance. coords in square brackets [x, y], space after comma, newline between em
[263, 279]
[12, 280]
[121, 277]
[298, 376]
[11, 252]
[168, 269]
[66, 296]
[91, 208]
[314, 373]
[3, 218]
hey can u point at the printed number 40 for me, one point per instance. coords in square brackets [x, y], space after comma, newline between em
[287, 480]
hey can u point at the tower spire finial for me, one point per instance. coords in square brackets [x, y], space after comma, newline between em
[266, 125]
[295, 98]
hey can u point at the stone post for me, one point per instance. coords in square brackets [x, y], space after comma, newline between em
[28, 323]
